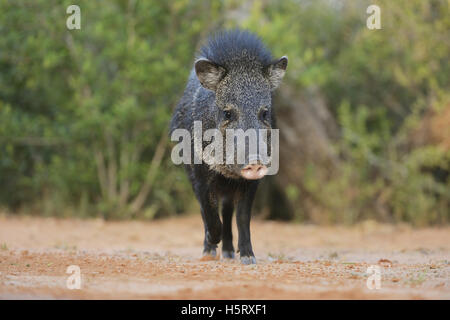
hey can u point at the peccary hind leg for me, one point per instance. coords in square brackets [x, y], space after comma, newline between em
[227, 236]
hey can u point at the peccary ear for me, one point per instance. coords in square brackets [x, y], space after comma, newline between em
[276, 72]
[208, 73]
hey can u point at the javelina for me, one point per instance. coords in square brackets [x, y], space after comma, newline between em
[230, 87]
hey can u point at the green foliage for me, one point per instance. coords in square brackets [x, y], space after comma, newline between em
[84, 113]
[379, 84]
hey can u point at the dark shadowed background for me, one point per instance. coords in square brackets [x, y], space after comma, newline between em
[364, 115]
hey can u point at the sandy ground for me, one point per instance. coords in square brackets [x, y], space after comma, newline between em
[162, 260]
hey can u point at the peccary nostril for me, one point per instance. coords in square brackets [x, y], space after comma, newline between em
[254, 171]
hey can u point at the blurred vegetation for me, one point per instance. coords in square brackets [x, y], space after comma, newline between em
[84, 113]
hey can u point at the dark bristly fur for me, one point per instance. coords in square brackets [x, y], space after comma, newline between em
[234, 72]
[227, 47]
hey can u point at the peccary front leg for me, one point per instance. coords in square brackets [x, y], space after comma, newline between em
[212, 224]
[227, 235]
[243, 215]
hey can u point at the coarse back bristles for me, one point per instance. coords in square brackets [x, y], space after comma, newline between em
[231, 47]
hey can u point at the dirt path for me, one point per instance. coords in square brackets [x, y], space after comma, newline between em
[161, 260]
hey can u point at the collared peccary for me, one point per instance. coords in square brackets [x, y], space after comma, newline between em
[230, 87]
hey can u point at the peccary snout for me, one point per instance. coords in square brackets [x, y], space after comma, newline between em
[254, 171]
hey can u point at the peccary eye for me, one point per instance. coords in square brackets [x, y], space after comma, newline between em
[265, 115]
[227, 115]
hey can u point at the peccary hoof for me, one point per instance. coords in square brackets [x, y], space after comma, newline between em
[228, 254]
[248, 260]
[210, 253]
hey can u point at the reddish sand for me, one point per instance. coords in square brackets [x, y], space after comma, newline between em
[162, 260]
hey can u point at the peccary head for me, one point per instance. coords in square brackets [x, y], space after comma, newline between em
[241, 72]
